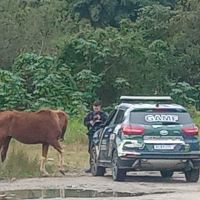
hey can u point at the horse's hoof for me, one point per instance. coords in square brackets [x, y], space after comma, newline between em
[45, 174]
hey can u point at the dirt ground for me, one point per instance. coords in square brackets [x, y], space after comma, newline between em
[143, 185]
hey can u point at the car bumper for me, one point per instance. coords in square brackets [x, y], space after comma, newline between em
[158, 161]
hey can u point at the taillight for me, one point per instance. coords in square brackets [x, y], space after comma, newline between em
[190, 131]
[132, 130]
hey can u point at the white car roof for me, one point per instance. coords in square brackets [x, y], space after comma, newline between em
[151, 106]
[156, 98]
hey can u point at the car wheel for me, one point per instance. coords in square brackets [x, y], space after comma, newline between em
[117, 174]
[166, 173]
[192, 175]
[95, 169]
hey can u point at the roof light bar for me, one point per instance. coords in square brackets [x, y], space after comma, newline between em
[140, 99]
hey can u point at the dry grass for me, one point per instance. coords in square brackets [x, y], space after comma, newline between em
[23, 160]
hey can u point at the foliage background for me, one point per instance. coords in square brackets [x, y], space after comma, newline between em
[66, 53]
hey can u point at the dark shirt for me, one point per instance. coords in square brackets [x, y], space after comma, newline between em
[92, 116]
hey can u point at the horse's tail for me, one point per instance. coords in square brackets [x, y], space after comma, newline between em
[4, 148]
[64, 125]
[64, 128]
[63, 122]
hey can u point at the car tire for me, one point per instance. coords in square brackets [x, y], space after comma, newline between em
[166, 173]
[95, 169]
[117, 174]
[192, 175]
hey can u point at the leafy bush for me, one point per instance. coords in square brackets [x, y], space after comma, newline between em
[41, 81]
[13, 94]
[184, 94]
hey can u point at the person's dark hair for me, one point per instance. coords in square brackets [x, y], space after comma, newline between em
[97, 103]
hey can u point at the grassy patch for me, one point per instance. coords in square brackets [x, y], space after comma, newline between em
[19, 163]
[196, 119]
[76, 132]
[195, 116]
[24, 160]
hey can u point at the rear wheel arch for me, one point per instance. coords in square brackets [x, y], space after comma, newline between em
[95, 168]
[117, 173]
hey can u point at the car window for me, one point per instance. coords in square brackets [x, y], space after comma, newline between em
[110, 117]
[118, 117]
[157, 117]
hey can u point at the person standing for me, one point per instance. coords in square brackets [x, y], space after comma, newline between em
[92, 121]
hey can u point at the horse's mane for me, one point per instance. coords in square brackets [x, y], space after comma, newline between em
[44, 110]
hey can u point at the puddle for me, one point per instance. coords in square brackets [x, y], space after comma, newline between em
[63, 193]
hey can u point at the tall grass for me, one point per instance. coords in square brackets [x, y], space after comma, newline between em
[76, 132]
[195, 116]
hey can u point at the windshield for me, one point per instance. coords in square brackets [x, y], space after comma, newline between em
[160, 117]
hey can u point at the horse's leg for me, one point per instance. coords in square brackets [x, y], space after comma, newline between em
[43, 171]
[4, 148]
[60, 150]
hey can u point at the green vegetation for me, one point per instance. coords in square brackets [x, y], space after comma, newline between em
[76, 132]
[66, 53]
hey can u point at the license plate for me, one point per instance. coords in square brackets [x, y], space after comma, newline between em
[163, 146]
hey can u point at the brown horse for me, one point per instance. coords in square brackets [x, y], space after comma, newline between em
[44, 127]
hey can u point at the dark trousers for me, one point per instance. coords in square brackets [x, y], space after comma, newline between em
[90, 136]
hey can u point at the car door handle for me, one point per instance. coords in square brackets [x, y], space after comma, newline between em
[110, 130]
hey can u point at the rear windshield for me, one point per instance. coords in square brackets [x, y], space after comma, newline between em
[160, 116]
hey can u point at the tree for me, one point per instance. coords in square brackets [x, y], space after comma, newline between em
[30, 26]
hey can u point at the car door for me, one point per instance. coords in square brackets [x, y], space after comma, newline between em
[118, 119]
[104, 136]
